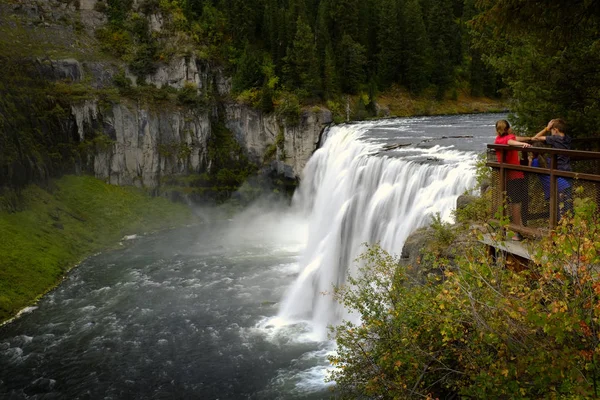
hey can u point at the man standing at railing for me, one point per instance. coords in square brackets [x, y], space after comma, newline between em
[515, 184]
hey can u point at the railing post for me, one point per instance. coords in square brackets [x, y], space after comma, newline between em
[553, 194]
[525, 201]
[503, 203]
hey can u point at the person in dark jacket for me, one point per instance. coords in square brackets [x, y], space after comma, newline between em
[558, 139]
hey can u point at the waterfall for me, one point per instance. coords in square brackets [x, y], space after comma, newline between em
[352, 195]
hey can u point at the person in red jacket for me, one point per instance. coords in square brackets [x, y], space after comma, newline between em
[516, 187]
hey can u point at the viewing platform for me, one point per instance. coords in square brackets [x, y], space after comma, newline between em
[548, 193]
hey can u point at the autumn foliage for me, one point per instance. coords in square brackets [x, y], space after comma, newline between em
[476, 329]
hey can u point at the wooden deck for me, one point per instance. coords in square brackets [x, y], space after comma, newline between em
[520, 249]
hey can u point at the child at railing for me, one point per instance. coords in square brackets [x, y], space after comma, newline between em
[515, 184]
[538, 161]
[558, 139]
[563, 185]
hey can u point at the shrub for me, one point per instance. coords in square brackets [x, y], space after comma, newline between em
[114, 41]
[142, 63]
[101, 6]
[443, 233]
[477, 210]
[188, 95]
[122, 82]
[288, 108]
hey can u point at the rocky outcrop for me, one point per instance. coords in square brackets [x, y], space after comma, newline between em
[141, 145]
[425, 247]
[68, 69]
[302, 140]
[137, 142]
[464, 200]
[256, 132]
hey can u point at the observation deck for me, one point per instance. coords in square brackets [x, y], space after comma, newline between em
[548, 193]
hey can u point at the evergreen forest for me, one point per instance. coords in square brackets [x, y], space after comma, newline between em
[542, 54]
[316, 51]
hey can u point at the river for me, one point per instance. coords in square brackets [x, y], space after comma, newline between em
[238, 308]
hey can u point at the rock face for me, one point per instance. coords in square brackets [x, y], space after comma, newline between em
[143, 144]
[256, 132]
[140, 145]
[68, 69]
[137, 143]
[464, 200]
[301, 141]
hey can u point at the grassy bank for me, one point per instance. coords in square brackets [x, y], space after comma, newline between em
[398, 102]
[401, 103]
[57, 227]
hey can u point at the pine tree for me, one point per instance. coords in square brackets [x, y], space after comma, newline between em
[389, 60]
[244, 19]
[282, 38]
[330, 79]
[444, 37]
[345, 14]
[248, 73]
[302, 66]
[549, 57]
[192, 8]
[352, 64]
[270, 27]
[416, 51]
[369, 25]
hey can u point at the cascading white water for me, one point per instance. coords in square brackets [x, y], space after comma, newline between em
[353, 196]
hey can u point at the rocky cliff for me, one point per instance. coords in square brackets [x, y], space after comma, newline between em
[140, 142]
[148, 143]
[258, 132]
[144, 144]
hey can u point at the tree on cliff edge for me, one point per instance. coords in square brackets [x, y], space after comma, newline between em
[549, 55]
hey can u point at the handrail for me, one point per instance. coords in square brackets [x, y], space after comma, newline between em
[545, 171]
[579, 154]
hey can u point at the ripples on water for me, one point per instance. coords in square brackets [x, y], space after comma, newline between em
[175, 316]
[195, 313]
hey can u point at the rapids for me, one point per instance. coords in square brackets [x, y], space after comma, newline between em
[234, 308]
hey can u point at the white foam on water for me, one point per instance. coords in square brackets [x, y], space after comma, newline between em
[307, 374]
[24, 339]
[313, 379]
[351, 197]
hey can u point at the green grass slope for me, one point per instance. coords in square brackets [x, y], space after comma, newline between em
[56, 228]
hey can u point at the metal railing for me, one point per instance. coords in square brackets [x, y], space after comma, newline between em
[549, 192]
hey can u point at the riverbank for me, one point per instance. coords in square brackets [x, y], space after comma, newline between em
[398, 102]
[47, 231]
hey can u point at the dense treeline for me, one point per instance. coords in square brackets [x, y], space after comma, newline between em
[543, 54]
[323, 48]
[318, 50]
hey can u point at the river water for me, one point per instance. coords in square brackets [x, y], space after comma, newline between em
[238, 308]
